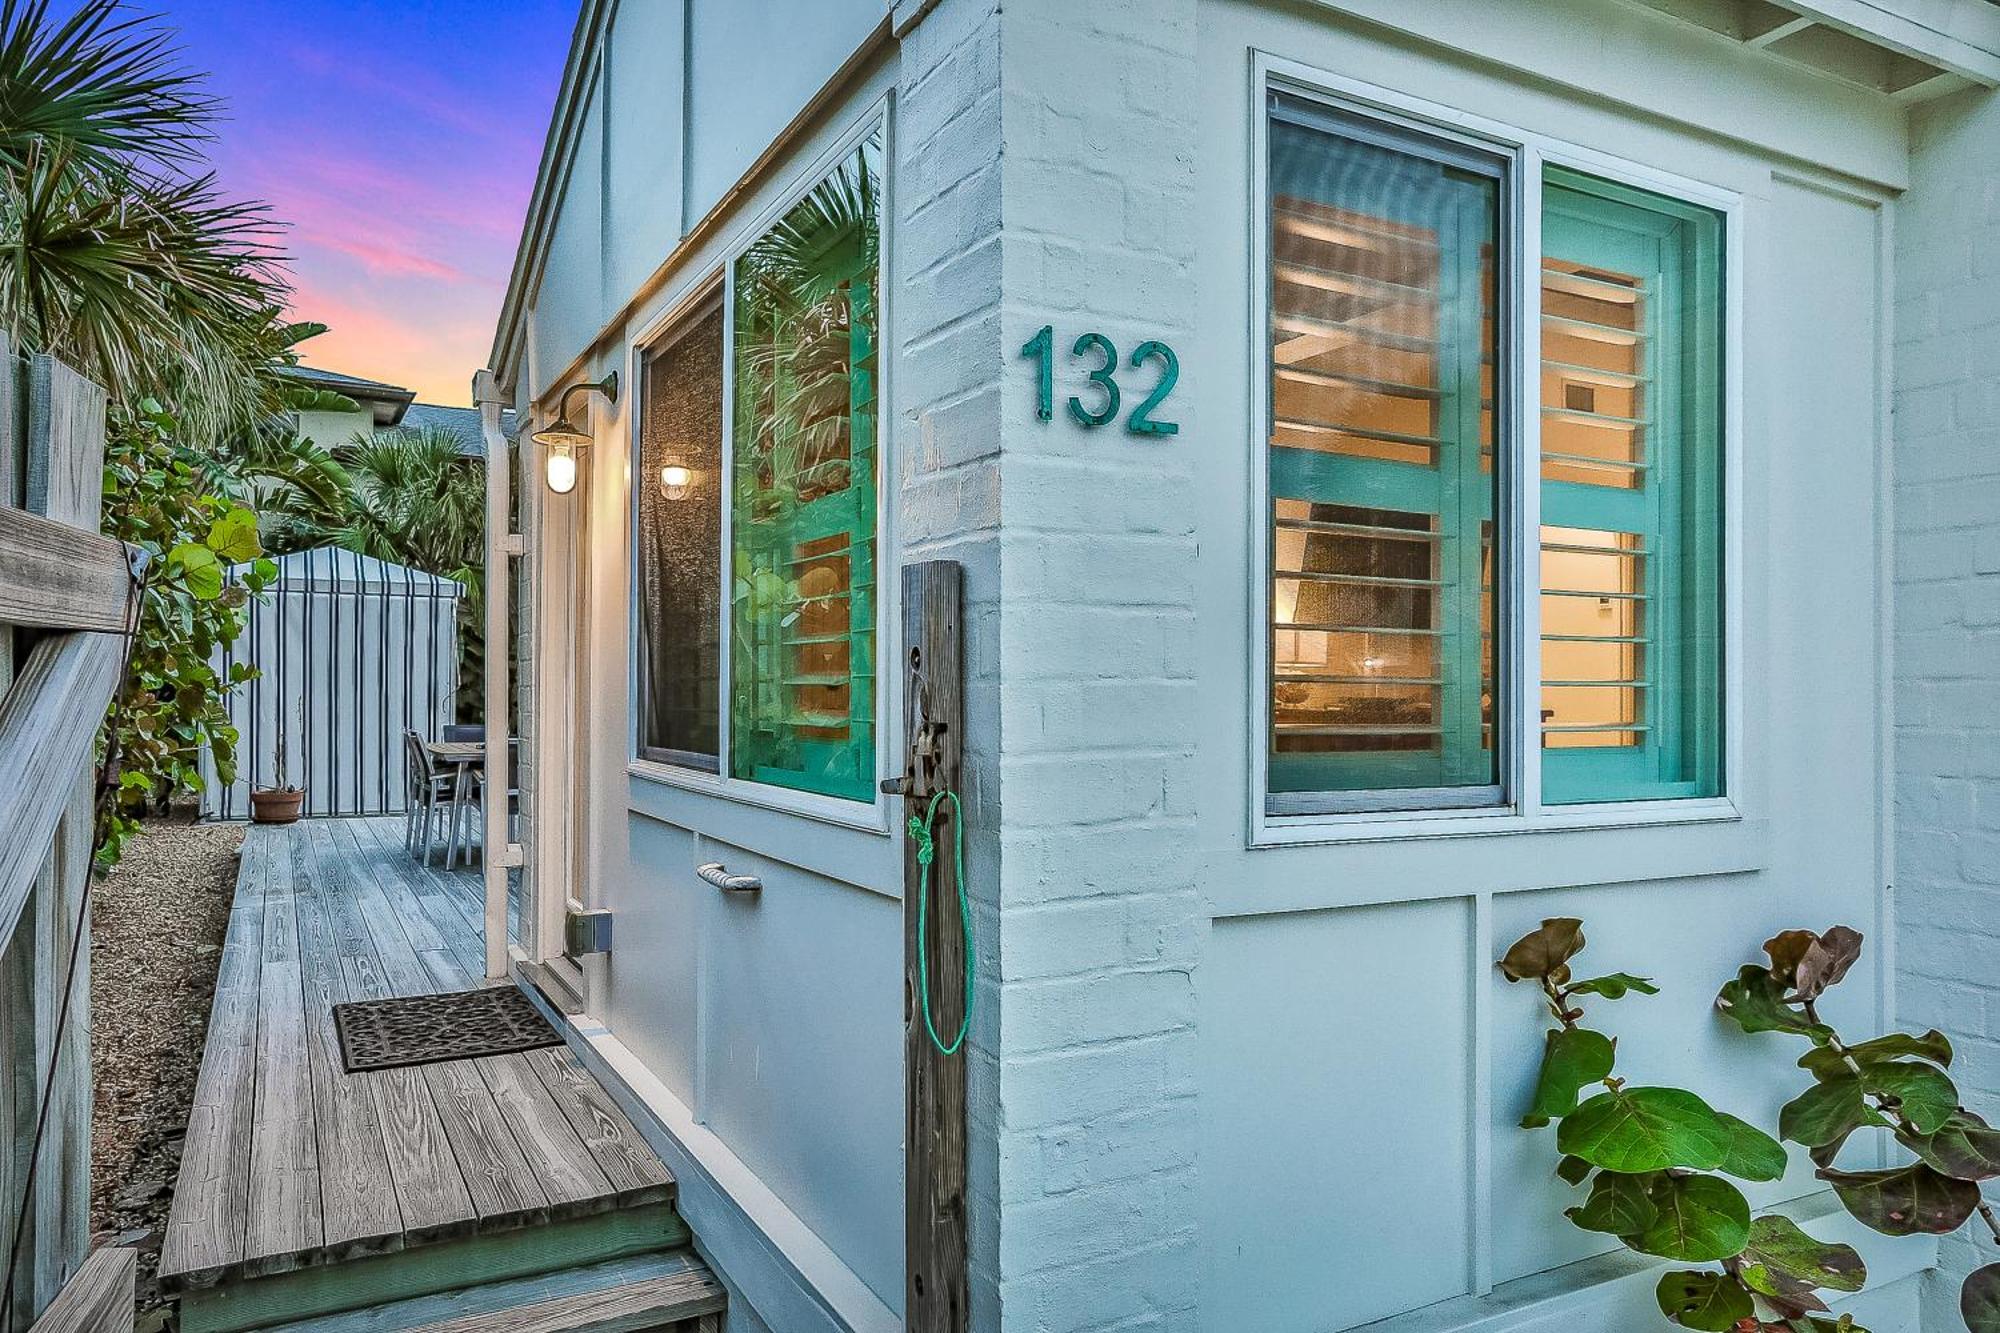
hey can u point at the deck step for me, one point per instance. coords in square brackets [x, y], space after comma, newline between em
[672, 1291]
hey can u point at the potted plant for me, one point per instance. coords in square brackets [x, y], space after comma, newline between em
[280, 804]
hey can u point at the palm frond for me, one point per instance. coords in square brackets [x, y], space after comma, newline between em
[103, 82]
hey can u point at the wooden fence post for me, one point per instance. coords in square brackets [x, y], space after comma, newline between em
[54, 468]
[934, 1145]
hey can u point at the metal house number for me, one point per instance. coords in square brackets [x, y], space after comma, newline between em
[1102, 410]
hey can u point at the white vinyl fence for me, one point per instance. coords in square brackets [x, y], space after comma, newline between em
[351, 652]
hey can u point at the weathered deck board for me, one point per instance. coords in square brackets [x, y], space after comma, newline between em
[284, 1142]
[293, 1163]
[356, 1210]
[211, 1200]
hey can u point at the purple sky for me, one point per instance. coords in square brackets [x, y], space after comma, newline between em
[400, 141]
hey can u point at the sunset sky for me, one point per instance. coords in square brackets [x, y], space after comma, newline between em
[400, 141]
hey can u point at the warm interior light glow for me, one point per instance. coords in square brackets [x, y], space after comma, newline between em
[675, 481]
[561, 471]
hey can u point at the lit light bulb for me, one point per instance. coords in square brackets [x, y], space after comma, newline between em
[675, 480]
[561, 471]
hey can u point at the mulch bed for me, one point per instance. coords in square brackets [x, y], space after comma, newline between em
[157, 923]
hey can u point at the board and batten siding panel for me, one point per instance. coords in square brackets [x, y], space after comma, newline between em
[794, 47]
[644, 82]
[1685, 904]
[1336, 1077]
[571, 302]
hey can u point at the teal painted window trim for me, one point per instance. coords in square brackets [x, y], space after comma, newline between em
[1383, 245]
[803, 496]
[1612, 247]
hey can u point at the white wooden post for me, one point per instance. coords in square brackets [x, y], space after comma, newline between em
[501, 853]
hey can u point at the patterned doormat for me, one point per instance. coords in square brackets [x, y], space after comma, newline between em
[423, 1029]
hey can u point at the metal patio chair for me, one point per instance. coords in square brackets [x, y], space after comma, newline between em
[425, 788]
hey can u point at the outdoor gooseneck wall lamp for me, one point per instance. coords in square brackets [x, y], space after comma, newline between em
[562, 437]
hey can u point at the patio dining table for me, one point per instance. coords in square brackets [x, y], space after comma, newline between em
[463, 758]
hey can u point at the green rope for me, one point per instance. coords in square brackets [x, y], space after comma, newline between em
[920, 833]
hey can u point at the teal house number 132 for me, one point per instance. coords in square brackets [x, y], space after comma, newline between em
[1099, 403]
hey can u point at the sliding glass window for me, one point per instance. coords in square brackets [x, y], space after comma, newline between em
[1384, 477]
[802, 512]
[1631, 421]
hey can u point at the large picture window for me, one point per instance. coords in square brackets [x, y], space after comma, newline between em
[1399, 418]
[803, 490]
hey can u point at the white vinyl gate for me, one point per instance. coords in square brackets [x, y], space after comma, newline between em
[351, 652]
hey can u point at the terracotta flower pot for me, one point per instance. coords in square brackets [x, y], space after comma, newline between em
[276, 806]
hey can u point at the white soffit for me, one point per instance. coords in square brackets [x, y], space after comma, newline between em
[1912, 50]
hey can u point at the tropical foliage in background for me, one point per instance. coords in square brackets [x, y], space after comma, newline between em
[118, 255]
[408, 497]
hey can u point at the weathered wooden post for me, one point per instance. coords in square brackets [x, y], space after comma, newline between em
[934, 1294]
[69, 588]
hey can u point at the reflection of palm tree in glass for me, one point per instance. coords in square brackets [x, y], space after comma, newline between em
[797, 286]
[805, 390]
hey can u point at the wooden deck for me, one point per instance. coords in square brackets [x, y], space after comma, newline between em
[291, 1164]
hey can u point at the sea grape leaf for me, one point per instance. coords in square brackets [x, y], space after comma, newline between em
[1979, 1300]
[1700, 1218]
[1826, 961]
[1965, 1146]
[199, 568]
[1785, 949]
[1708, 1301]
[1905, 1201]
[233, 537]
[1574, 1170]
[1542, 952]
[1826, 1113]
[1757, 1004]
[1780, 1256]
[1613, 987]
[1573, 1059]
[1925, 1094]
[1620, 1205]
[1825, 1062]
[1752, 1154]
[1645, 1129]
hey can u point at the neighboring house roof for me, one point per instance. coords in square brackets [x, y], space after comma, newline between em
[462, 422]
[385, 402]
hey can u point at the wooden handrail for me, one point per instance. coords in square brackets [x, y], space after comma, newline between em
[98, 1299]
[48, 722]
[55, 576]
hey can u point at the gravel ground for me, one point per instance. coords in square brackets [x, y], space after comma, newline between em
[157, 924]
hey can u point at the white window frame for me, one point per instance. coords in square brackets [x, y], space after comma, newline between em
[1518, 515]
[719, 275]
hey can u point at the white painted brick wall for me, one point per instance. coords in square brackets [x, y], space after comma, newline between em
[1947, 405]
[1099, 919]
[945, 248]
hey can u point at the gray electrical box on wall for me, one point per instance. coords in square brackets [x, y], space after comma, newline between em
[586, 933]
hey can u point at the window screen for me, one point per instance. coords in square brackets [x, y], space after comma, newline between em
[802, 515]
[680, 548]
[1383, 295]
[1631, 591]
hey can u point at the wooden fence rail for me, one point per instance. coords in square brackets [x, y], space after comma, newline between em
[65, 598]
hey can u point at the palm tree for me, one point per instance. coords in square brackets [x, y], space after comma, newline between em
[116, 254]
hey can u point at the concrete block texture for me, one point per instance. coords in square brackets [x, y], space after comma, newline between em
[1947, 653]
